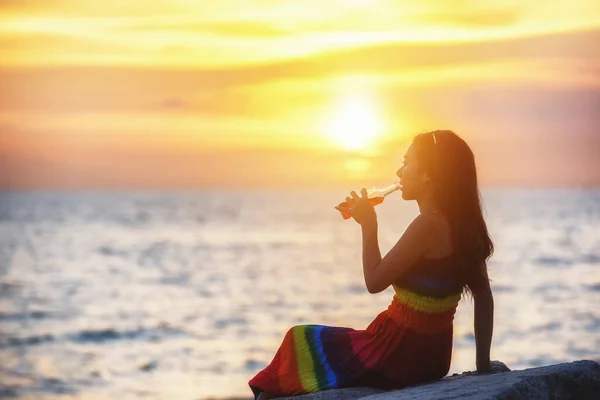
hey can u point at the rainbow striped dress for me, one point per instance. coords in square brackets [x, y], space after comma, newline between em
[407, 344]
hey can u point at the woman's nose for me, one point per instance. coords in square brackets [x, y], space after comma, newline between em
[399, 172]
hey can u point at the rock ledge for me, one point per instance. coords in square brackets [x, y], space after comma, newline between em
[575, 380]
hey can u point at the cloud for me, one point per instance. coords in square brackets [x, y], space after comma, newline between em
[471, 19]
[173, 103]
[47, 43]
[95, 9]
[245, 29]
[389, 58]
[567, 60]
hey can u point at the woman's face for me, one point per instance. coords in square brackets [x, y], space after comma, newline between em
[412, 179]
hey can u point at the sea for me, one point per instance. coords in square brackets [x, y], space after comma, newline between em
[188, 294]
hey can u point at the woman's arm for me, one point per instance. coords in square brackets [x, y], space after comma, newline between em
[379, 273]
[483, 321]
[371, 255]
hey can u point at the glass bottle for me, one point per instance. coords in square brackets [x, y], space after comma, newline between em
[375, 195]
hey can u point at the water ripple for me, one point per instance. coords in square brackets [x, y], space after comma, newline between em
[99, 336]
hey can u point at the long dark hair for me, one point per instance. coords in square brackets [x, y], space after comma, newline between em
[451, 165]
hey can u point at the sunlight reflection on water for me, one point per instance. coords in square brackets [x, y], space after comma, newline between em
[187, 295]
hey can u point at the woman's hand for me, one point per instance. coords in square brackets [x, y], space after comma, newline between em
[360, 208]
[492, 368]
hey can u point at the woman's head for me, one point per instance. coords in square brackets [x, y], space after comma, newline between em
[440, 165]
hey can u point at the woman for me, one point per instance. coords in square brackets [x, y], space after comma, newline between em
[441, 255]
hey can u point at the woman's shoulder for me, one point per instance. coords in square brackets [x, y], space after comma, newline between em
[438, 235]
[430, 221]
[433, 223]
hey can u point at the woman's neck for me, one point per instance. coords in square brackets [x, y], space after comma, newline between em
[427, 204]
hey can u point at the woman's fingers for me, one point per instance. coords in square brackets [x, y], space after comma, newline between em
[342, 209]
[364, 194]
[354, 195]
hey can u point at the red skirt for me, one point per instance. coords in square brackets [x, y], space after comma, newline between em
[401, 347]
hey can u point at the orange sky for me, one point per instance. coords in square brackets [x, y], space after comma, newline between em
[183, 94]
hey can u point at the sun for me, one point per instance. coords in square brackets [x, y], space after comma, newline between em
[355, 123]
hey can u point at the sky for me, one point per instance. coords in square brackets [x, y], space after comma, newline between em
[286, 93]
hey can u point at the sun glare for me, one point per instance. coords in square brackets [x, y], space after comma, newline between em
[354, 124]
